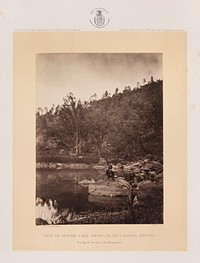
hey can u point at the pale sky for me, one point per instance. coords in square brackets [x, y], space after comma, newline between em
[84, 74]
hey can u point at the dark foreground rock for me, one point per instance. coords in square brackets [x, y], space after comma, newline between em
[116, 209]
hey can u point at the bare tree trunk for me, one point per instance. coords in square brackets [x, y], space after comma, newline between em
[80, 146]
[76, 142]
[142, 146]
[98, 150]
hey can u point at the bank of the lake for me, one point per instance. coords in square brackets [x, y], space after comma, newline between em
[85, 195]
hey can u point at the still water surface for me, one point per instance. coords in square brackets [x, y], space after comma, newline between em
[62, 186]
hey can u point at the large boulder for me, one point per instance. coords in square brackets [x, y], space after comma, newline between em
[86, 182]
[119, 165]
[102, 162]
[118, 187]
[153, 166]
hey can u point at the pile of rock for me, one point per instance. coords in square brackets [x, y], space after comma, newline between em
[144, 170]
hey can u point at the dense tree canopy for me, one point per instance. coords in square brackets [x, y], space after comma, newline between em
[128, 123]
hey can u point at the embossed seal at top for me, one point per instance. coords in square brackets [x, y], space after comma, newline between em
[99, 17]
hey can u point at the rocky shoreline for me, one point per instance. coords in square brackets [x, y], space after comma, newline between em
[114, 195]
[147, 210]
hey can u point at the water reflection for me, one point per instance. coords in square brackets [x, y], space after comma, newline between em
[62, 186]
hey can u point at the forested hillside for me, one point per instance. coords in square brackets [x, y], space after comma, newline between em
[126, 125]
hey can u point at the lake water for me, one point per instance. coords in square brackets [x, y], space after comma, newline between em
[62, 186]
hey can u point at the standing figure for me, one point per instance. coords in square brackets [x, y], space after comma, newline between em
[133, 194]
[110, 173]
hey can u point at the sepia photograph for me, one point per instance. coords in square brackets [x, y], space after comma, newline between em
[99, 138]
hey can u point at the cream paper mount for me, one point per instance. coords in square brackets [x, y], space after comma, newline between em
[172, 234]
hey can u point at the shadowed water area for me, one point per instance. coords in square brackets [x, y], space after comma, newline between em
[63, 186]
